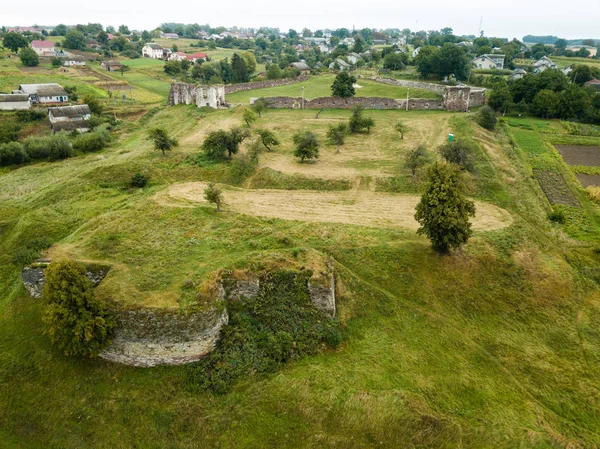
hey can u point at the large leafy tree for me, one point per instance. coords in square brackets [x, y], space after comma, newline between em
[444, 61]
[395, 61]
[29, 57]
[343, 85]
[443, 212]
[161, 140]
[75, 40]
[546, 103]
[14, 41]
[220, 143]
[307, 145]
[77, 322]
[500, 98]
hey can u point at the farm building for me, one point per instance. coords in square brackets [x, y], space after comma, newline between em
[340, 64]
[171, 36]
[43, 93]
[111, 66]
[152, 50]
[593, 83]
[196, 56]
[73, 61]
[353, 58]
[178, 56]
[69, 118]
[517, 75]
[302, 67]
[43, 48]
[489, 61]
[11, 102]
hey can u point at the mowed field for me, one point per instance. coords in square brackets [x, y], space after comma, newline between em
[496, 345]
[320, 86]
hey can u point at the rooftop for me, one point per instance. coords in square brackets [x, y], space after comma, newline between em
[9, 98]
[42, 44]
[46, 90]
[70, 111]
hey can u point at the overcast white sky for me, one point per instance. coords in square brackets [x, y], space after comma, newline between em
[506, 18]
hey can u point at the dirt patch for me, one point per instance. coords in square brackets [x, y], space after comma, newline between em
[555, 188]
[359, 207]
[580, 155]
[588, 180]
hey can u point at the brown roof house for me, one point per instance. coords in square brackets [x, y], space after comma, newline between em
[110, 66]
[593, 83]
[302, 67]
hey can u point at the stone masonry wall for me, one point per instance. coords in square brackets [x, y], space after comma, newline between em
[264, 84]
[348, 103]
[34, 279]
[411, 84]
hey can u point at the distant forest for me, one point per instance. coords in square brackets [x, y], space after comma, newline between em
[551, 40]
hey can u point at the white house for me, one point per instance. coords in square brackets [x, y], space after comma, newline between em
[43, 48]
[341, 64]
[178, 56]
[43, 93]
[415, 52]
[152, 50]
[489, 61]
[69, 118]
[73, 61]
[349, 41]
[11, 102]
[542, 64]
[353, 58]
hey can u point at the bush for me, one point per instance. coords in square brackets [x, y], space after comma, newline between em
[460, 153]
[30, 115]
[265, 332]
[139, 180]
[92, 141]
[52, 148]
[486, 118]
[594, 193]
[32, 251]
[77, 322]
[12, 153]
[9, 132]
[557, 216]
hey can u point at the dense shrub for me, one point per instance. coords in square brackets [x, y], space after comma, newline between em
[265, 332]
[30, 115]
[32, 251]
[459, 152]
[51, 148]
[12, 153]
[77, 322]
[486, 118]
[557, 216]
[139, 180]
[92, 141]
[9, 132]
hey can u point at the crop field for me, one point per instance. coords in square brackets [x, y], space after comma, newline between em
[580, 155]
[320, 86]
[496, 345]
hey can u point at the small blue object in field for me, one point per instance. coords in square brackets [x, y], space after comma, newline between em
[450, 137]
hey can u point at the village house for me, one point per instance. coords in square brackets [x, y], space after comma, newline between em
[353, 58]
[43, 93]
[178, 56]
[196, 57]
[340, 64]
[415, 52]
[110, 66]
[43, 48]
[152, 50]
[24, 30]
[489, 61]
[593, 51]
[349, 41]
[73, 61]
[517, 75]
[171, 36]
[542, 64]
[301, 66]
[69, 118]
[11, 102]
[203, 35]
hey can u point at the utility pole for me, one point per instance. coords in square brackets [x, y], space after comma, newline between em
[302, 97]
[407, 91]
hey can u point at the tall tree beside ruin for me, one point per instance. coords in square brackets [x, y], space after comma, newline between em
[77, 322]
[443, 211]
[239, 70]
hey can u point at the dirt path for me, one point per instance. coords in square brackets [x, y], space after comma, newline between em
[360, 207]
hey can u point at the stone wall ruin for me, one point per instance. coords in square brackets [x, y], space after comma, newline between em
[201, 96]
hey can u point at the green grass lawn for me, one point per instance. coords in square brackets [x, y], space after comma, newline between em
[497, 345]
[320, 86]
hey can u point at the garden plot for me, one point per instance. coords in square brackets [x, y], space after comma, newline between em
[555, 188]
[580, 155]
[588, 180]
